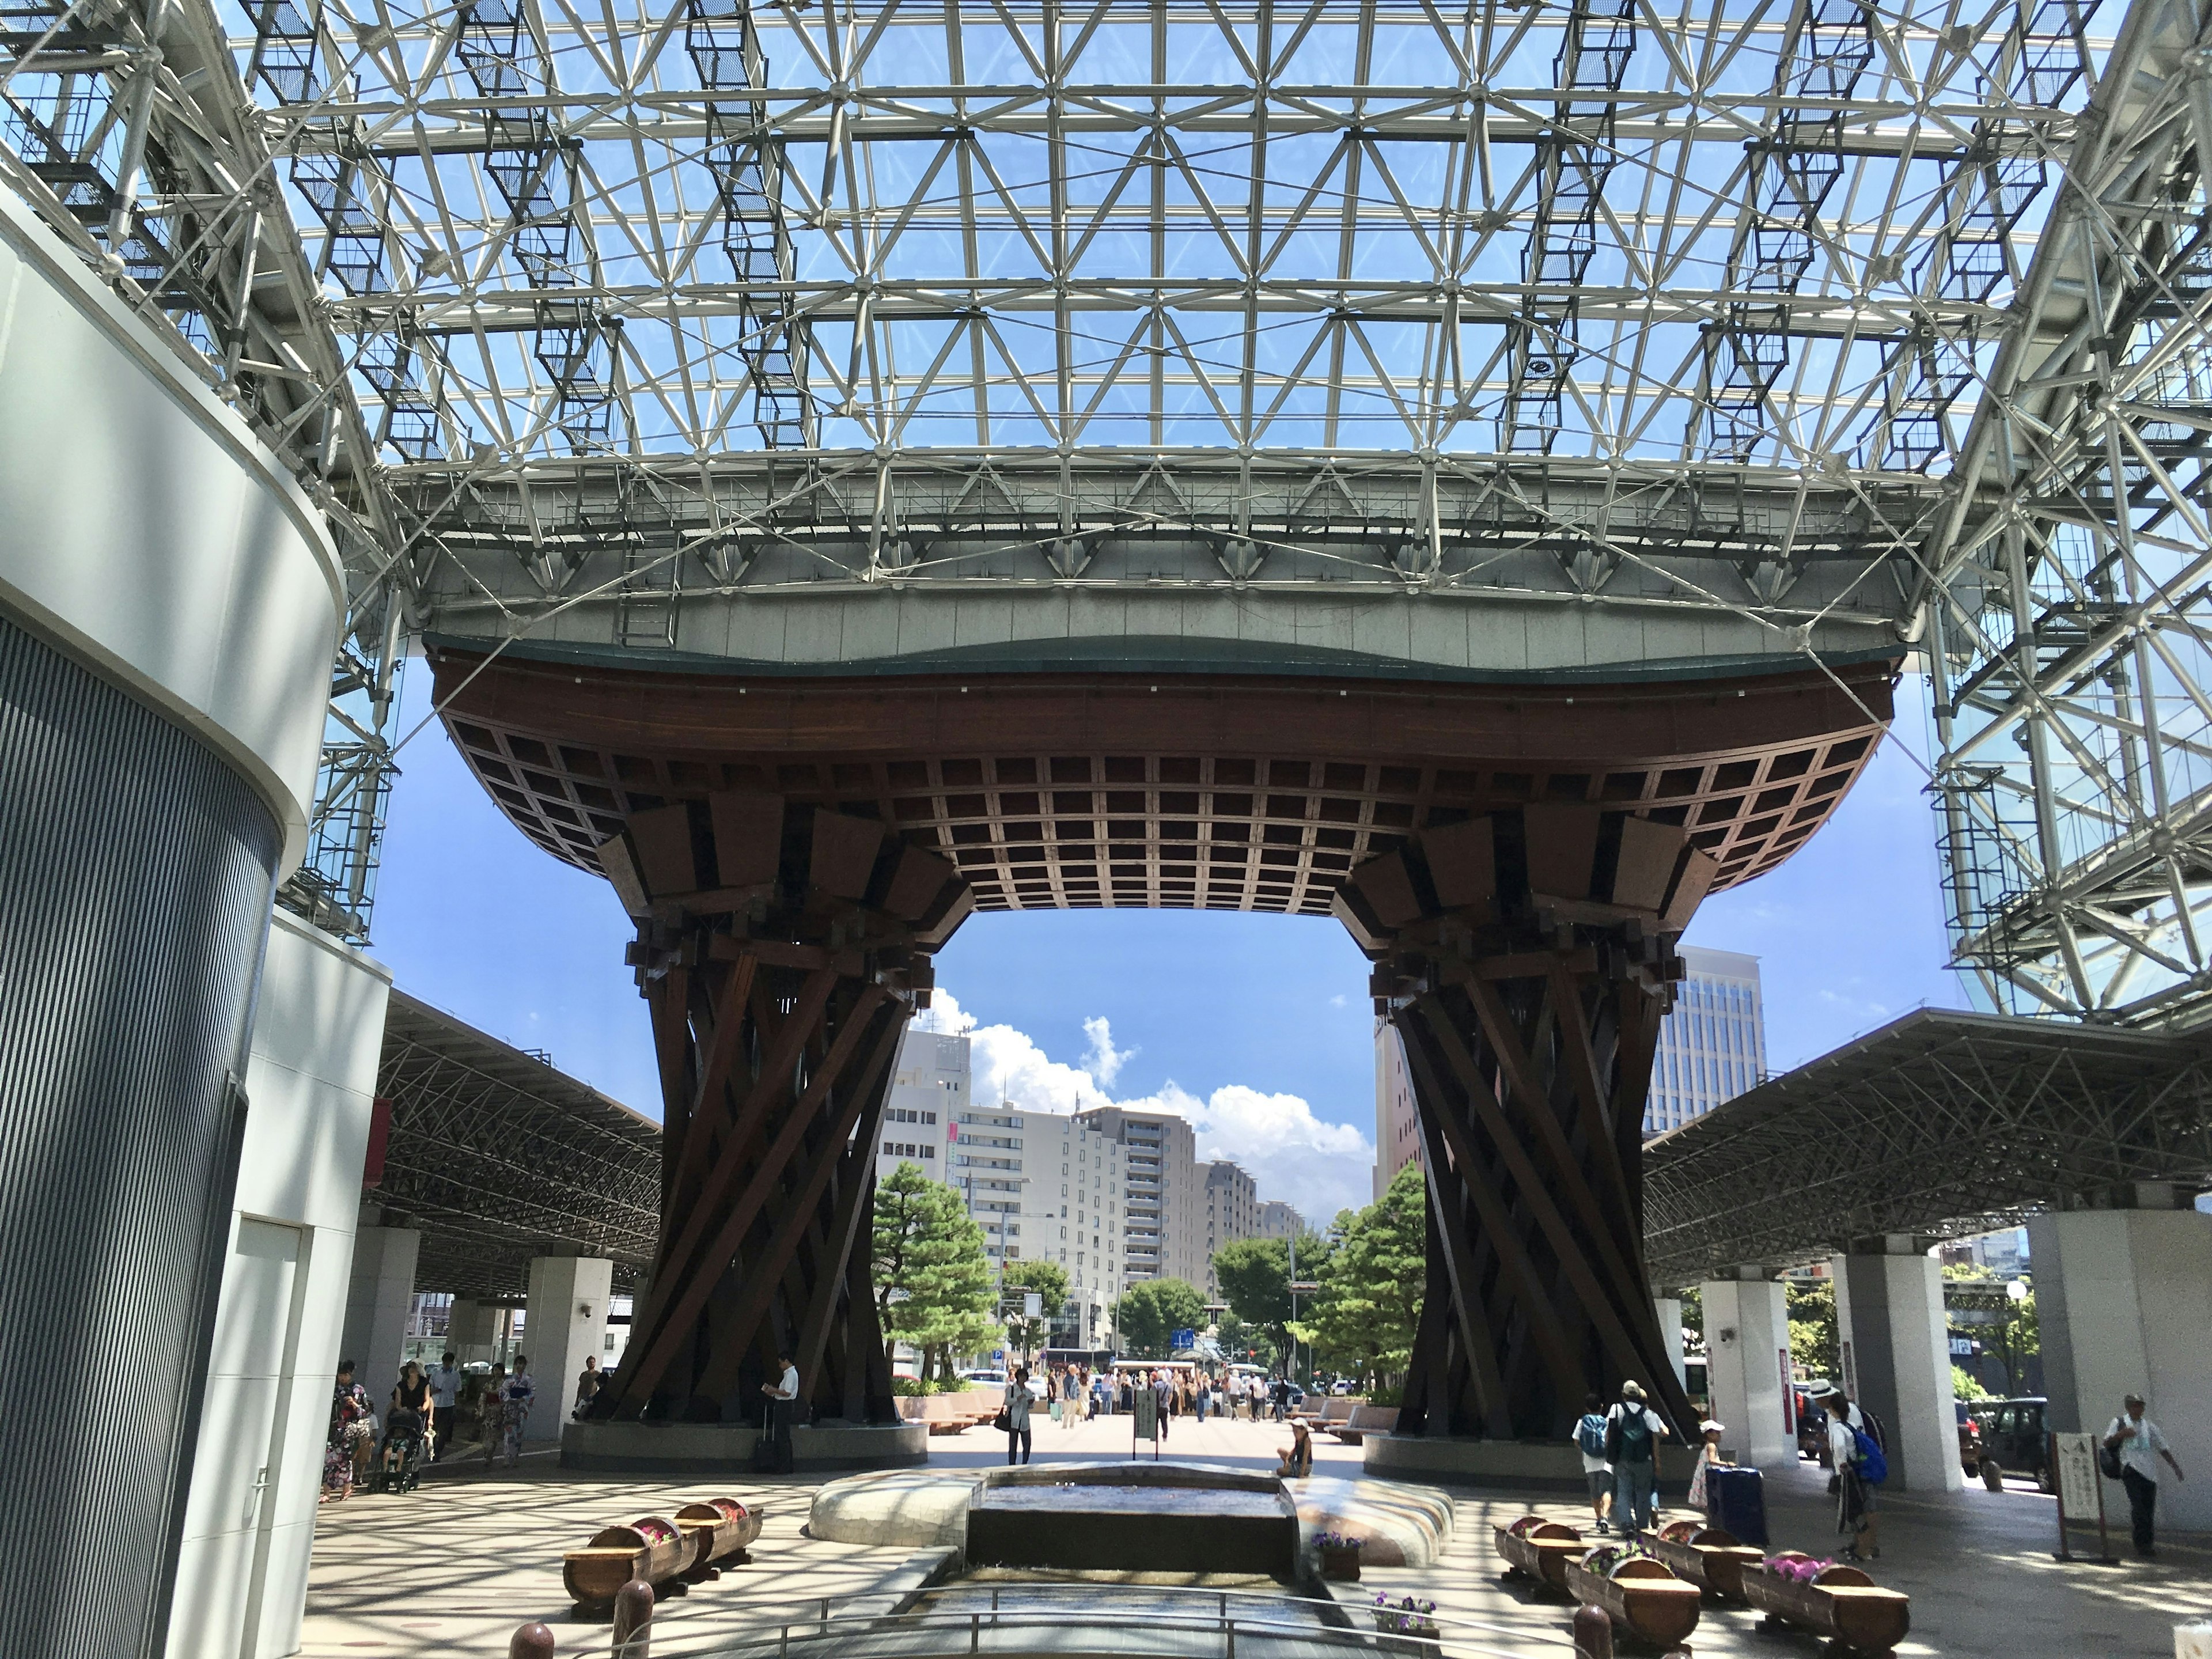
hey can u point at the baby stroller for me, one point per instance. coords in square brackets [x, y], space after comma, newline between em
[406, 1449]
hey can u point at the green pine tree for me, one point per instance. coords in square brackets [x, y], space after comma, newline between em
[1371, 1281]
[933, 1285]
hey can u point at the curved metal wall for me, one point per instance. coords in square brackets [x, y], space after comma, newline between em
[136, 873]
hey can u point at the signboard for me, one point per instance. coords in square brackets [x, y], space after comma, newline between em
[1183, 1339]
[1963, 1347]
[1148, 1415]
[2081, 1489]
[1033, 1306]
[998, 1356]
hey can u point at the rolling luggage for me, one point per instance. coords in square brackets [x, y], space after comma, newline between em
[1735, 1502]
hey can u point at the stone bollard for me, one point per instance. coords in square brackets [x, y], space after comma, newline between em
[1592, 1634]
[530, 1642]
[633, 1630]
[2193, 1640]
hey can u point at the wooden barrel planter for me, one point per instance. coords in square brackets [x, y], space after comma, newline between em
[1708, 1557]
[721, 1530]
[1640, 1596]
[1536, 1548]
[1841, 1602]
[649, 1548]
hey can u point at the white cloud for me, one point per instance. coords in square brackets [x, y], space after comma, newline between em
[1320, 1168]
[1102, 1059]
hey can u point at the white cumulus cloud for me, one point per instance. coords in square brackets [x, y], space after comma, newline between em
[1290, 1153]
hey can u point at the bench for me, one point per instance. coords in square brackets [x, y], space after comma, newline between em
[1363, 1420]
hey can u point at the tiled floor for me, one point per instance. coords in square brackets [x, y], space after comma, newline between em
[454, 1568]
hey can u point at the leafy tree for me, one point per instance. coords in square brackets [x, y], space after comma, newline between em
[1812, 1339]
[1255, 1282]
[1150, 1311]
[1372, 1280]
[1049, 1280]
[933, 1281]
[1967, 1385]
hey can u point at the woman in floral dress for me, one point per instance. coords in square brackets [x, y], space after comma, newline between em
[352, 1432]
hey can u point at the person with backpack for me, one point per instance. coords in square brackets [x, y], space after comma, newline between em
[1631, 1446]
[1590, 1440]
[2130, 1451]
[1858, 1450]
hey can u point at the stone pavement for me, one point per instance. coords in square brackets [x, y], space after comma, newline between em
[453, 1569]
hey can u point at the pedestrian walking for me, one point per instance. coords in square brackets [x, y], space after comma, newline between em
[352, 1432]
[2138, 1444]
[521, 1390]
[1589, 1439]
[1856, 1441]
[1708, 1454]
[1015, 1413]
[491, 1412]
[1632, 1430]
[445, 1382]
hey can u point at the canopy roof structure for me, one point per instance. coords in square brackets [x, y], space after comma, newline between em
[1939, 1124]
[1594, 334]
[497, 1157]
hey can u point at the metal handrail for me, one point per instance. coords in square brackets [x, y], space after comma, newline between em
[842, 1626]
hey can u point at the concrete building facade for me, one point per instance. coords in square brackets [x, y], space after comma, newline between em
[1046, 1186]
[1279, 1220]
[1162, 1194]
[1397, 1125]
[932, 1085]
[1232, 1212]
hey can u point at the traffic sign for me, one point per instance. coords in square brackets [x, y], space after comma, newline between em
[1183, 1339]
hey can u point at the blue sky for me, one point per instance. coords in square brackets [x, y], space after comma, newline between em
[1257, 1027]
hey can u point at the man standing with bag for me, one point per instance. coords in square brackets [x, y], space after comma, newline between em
[2135, 1444]
[782, 1401]
[1631, 1446]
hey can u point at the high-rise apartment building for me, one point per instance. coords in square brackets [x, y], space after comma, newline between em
[1045, 1188]
[1397, 1125]
[1163, 1194]
[1713, 1046]
[1232, 1212]
[1279, 1220]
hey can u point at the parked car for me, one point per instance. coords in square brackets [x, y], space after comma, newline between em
[984, 1379]
[2013, 1437]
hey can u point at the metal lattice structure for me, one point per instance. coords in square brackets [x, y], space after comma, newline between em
[497, 1157]
[1937, 1126]
[1809, 327]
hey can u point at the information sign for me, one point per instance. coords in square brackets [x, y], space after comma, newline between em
[1183, 1339]
[1148, 1415]
[2081, 1490]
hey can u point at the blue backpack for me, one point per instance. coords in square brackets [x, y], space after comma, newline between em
[1874, 1468]
[1589, 1435]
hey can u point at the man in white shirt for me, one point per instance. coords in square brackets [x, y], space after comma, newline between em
[1632, 1431]
[2141, 1444]
[445, 1387]
[782, 1401]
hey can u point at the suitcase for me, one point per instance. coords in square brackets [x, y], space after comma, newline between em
[1735, 1502]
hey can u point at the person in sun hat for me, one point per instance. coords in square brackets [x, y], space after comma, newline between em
[1632, 1430]
[1708, 1455]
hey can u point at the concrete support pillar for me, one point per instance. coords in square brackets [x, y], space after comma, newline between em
[1670, 1330]
[1896, 1354]
[567, 1320]
[2124, 1299]
[472, 1329]
[382, 1281]
[1746, 1358]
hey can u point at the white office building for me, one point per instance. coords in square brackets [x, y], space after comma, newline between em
[1232, 1212]
[1713, 1046]
[928, 1090]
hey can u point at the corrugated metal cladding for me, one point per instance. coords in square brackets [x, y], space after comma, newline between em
[135, 871]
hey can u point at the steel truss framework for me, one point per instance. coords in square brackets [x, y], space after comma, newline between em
[497, 1157]
[1956, 1124]
[552, 307]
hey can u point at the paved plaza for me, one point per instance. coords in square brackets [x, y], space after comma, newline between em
[453, 1569]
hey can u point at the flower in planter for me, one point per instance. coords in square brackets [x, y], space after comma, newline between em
[1797, 1566]
[1337, 1540]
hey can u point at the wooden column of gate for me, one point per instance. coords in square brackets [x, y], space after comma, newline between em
[1526, 959]
[781, 949]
